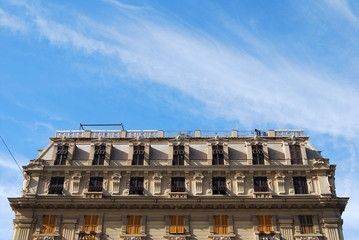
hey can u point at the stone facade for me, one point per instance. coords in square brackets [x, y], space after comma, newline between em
[137, 185]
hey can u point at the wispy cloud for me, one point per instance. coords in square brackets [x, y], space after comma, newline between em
[12, 22]
[343, 7]
[239, 84]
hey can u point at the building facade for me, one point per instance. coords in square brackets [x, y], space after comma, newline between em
[194, 185]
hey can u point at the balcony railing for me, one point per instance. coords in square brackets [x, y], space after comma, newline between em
[178, 194]
[87, 236]
[262, 195]
[69, 134]
[45, 236]
[289, 133]
[158, 133]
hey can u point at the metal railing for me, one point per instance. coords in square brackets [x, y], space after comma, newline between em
[179, 133]
[141, 133]
[69, 134]
[157, 133]
[105, 134]
[289, 133]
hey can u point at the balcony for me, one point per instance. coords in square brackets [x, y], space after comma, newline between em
[222, 236]
[133, 237]
[44, 236]
[262, 194]
[93, 194]
[309, 237]
[178, 237]
[178, 194]
[87, 236]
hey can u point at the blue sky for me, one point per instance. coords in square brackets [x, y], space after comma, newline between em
[180, 65]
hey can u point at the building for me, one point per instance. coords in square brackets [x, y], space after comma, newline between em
[194, 185]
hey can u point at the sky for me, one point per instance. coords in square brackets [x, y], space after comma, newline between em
[180, 65]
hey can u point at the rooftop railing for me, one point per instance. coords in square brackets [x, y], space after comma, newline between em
[166, 134]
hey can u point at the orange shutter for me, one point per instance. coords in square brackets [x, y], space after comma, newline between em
[90, 224]
[221, 224]
[48, 224]
[177, 224]
[264, 223]
[133, 224]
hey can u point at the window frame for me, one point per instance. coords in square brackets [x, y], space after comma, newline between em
[138, 156]
[136, 186]
[99, 155]
[257, 154]
[306, 224]
[217, 154]
[56, 185]
[296, 157]
[300, 185]
[219, 186]
[95, 184]
[178, 155]
[178, 184]
[262, 185]
[61, 155]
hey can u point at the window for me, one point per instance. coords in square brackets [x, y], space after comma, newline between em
[300, 185]
[95, 184]
[264, 223]
[306, 224]
[61, 155]
[178, 184]
[48, 224]
[220, 224]
[257, 154]
[100, 153]
[177, 225]
[178, 155]
[91, 222]
[260, 184]
[136, 185]
[219, 185]
[138, 155]
[133, 225]
[218, 156]
[295, 154]
[56, 185]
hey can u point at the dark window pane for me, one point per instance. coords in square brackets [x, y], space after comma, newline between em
[99, 156]
[257, 154]
[300, 185]
[219, 185]
[218, 155]
[178, 155]
[178, 184]
[295, 154]
[138, 155]
[136, 185]
[260, 184]
[56, 185]
[95, 184]
[61, 155]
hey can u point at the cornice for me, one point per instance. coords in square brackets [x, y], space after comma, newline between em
[168, 203]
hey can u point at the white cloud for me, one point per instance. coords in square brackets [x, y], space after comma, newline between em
[12, 22]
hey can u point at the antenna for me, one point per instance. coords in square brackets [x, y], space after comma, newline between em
[102, 125]
[11, 155]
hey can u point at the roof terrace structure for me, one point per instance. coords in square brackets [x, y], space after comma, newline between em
[184, 185]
